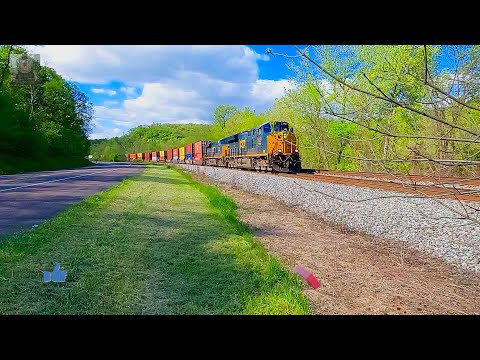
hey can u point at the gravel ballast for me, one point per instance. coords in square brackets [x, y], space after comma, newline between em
[426, 224]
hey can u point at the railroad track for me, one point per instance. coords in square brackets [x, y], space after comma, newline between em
[424, 186]
[411, 179]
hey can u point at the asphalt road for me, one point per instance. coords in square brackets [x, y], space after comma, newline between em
[29, 199]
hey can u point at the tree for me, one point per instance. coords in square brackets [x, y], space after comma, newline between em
[410, 115]
[222, 113]
[49, 120]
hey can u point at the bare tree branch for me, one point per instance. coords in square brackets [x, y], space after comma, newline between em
[405, 136]
[447, 162]
[451, 97]
[339, 115]
[302, 53]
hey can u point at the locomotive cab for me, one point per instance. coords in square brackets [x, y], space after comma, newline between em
[282, 148]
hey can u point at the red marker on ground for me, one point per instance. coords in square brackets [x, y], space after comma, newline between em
[307, 275]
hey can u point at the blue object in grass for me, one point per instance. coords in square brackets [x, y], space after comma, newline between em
[56, 276]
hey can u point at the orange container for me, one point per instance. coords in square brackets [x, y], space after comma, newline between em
[175, 156]
[169, 156]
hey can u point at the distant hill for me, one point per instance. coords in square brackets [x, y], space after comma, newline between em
[154, 137]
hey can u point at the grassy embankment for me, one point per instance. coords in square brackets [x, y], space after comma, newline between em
[158, 243]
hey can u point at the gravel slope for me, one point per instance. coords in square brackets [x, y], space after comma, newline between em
[425, 224]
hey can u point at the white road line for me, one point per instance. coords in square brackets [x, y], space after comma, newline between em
[50, 181]
[38, 174]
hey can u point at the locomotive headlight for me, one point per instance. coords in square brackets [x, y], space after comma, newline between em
[296, 150]
[279, 151]
[285, 135]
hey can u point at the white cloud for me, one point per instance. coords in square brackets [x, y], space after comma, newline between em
[128, 90]
[326, 86]
[138, 64]
[175, 84]
[108, 92]
[111, 102]
[161, 103]
[269, 90]
[104, 130]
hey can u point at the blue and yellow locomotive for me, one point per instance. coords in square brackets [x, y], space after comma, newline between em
[260, 148]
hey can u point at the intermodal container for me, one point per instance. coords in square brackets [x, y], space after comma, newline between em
[161, 156]
[200, 151]
[148, 156]
[155, 156]
[140, 156]
[132, 156]
[175, 156]
[189, 153]
[169, 156]
[181, 154]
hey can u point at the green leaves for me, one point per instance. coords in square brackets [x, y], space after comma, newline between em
[342, 130]
[50, 119]
[395, 97]
[222, 113]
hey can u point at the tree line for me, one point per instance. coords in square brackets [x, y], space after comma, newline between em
[43, 125]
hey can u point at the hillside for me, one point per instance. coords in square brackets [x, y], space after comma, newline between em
[165, 136]
[149, 138]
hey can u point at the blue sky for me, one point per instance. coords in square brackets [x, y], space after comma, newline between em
[131, 85]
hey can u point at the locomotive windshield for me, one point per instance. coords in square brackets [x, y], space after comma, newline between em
[280, 126]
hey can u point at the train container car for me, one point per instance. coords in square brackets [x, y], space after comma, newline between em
[162, 156]
[132, 156]
[189, 154]
[169, 156]
[175, 156]
[156, 156]
[140, 156]
[181, 155]
[200, 151]
[148, 156]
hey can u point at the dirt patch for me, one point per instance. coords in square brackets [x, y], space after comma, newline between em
[359, 274]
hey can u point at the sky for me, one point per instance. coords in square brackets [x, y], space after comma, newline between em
[131, 85]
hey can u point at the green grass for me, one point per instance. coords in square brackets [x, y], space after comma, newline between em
[15, 165]
[158, 243]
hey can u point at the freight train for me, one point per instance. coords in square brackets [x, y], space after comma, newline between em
[268, 147]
